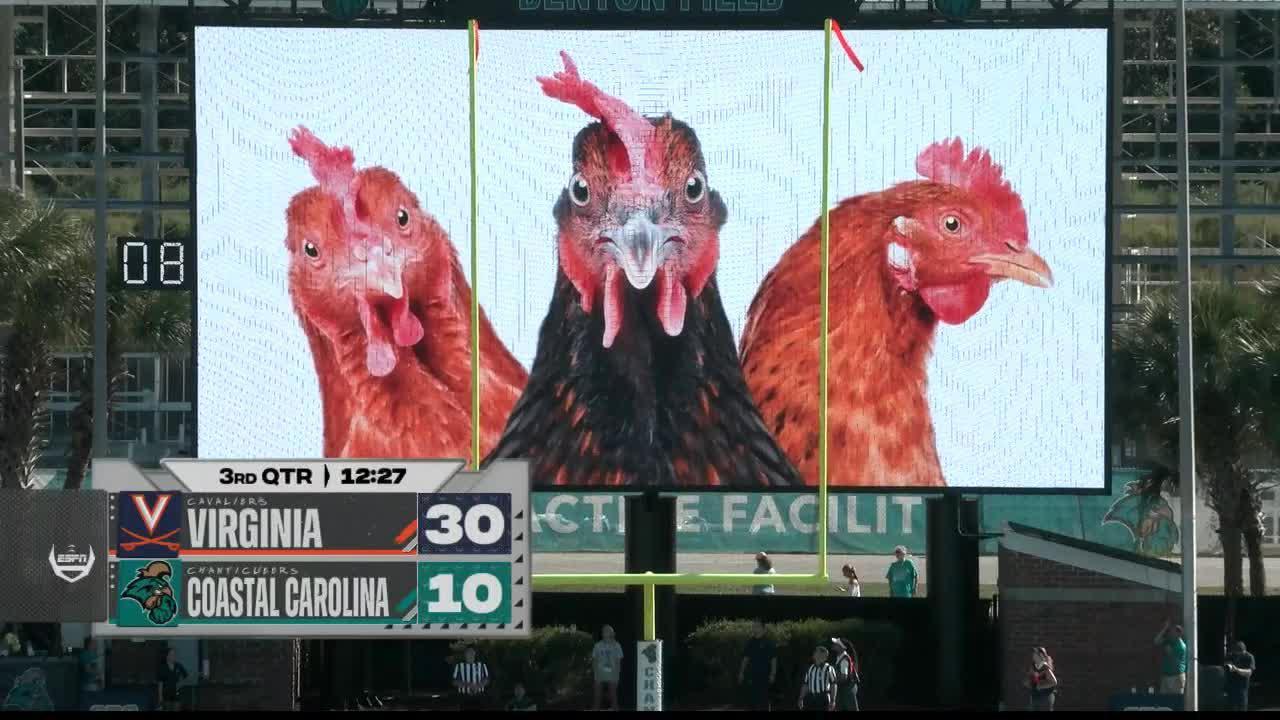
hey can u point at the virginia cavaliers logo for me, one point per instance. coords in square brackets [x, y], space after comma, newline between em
[150, 524]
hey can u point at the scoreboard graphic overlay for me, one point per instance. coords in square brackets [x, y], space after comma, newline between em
[313, 548]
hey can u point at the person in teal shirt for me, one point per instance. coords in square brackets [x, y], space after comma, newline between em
[1173, 661]
[901, 575]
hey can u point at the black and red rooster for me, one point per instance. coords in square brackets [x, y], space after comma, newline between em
[636, 380]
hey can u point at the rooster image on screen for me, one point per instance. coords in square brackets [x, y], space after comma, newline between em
[636, 380]
[382, 297]
[901, 260]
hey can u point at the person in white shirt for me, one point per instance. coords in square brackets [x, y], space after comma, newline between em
[764, 566]
[606, 664]
[852, 587]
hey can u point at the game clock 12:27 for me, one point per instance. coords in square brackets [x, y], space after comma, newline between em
[155, 263]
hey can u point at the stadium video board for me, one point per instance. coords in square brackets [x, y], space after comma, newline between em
[647, 224]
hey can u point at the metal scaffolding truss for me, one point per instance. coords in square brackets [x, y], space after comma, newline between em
[1234, 98]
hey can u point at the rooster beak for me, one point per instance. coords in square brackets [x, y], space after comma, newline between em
[638, 246]
[1021, 264]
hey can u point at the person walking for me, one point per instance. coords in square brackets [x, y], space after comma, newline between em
[902, 575]
[1173, 663]
[759, 668]
[1239, 671]
[606, 665]
[168, 677]
[1041, 681]
[764, 566]
[847, 678]
[471, 679]
[852, 587]
[818, 689]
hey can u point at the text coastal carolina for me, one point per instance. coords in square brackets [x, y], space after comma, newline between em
[714, 513]
[283, 594]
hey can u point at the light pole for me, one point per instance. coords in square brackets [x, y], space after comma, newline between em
[1186, 381]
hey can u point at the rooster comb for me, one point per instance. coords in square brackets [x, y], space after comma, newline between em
[333, 167]
[632, 128]
[946, 162]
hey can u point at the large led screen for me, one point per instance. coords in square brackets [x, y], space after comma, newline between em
[333, 218]
[635, 188]
[647, 227]
[968, 261]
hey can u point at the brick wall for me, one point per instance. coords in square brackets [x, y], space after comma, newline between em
[244, 674]
[1099, 648]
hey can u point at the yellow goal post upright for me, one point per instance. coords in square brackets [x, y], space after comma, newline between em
[649, 580]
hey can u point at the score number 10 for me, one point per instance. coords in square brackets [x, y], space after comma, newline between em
[460, 525]
[151, 264]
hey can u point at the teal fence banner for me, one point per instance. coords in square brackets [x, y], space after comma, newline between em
[861, 524]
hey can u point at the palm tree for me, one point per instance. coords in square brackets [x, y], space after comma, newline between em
[137, 321]
[1234, 332]
[41, 291]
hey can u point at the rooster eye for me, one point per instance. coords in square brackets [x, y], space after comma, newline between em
[695, 187]
[311, 250]
[951, 223]
[579, 190]
[402, 217]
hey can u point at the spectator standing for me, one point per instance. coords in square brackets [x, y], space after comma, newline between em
[1041, 681]
[1173, 663]
[1239, 671]
[818, 689]
[90, 666]
[902, 575]
[764, 566]
[521, 701]
[471, 678]
[606, 665]
[851, 586]
[847, 679]
[170, 675]
[759, 668]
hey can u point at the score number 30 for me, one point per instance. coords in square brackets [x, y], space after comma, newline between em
[454, 525]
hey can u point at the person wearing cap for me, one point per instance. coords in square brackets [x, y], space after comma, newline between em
[902, 575]
[847, 679]
[764, 566]
[818, 689]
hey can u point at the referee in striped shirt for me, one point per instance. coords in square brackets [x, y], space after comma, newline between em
[818, 691]
[471, 678]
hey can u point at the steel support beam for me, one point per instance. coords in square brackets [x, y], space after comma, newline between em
[100, 383]
[1186, 383]
[148, 21]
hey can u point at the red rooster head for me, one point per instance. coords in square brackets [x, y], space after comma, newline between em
[354, 241]
[637, 210]
[960, 232]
